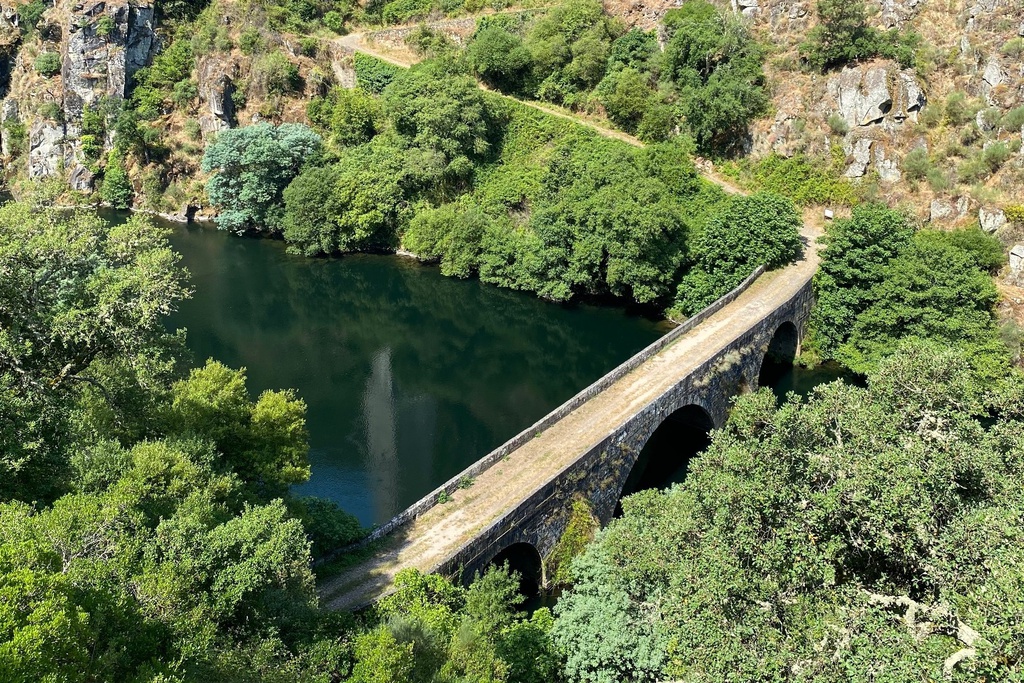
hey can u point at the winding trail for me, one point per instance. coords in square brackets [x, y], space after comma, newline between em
[358, 42]
[436, 535]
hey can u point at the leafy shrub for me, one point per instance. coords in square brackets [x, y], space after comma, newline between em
[251, 42]
[1014, 47]
[356, 204]
[117, 188]
[916, 164]
[355, 116]
[29, 15]
[104, 26]
[401, 11]
[193, 129]
[184, 93]
[959, 110]
[309, 47]
[17, 135]
[760, 230]
[626, 96]
[47, 64]
[658, 123]
[995, 155]
[938, 180]
[452, 234]
[155, 84]
[1013, 120]
[803, 179]
[499, 58]
[843, 35]
[328, 527]
[372, 74]
[1014, 213]
[51, 111]
[274, 74]
[715, 65]
[838, 124]
[334, 21]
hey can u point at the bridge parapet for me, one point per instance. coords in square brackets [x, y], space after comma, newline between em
[498, 454]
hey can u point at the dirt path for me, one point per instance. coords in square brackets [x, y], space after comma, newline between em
[357, 42]
[436, 535]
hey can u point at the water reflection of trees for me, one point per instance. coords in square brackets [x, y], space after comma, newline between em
[490, 361]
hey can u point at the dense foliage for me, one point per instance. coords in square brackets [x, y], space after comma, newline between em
[431, 630]
[708, 79]
[843, 35]
[879, 283]
[146, 533]
[491, 188]
[252, 167]
[759, 230]
[869, 534]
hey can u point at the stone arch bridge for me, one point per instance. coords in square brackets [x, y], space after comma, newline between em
[518, 504]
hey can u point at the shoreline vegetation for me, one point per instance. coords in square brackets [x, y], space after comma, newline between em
[869, 531]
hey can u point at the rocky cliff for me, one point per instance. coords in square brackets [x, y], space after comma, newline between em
[943, 137]
[100, 46]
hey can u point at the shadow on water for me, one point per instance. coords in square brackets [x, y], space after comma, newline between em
[408, 376]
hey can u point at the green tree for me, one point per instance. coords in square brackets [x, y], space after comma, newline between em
[934, 291]
[442, 114]
[715, 65]
[626, 96]
[499, 58]
[837, 539]
[252, 166]
[264, 443]
[760, 230]
[117, 187]
[76, 296]
[452, 234]
[569, 48]
[356, 204]
[857, 250]
[355, 117]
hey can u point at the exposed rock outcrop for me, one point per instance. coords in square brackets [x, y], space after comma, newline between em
[47, 149]
[1017, 260]
[216, 87]
[8, 112]
[102, 44]
[991, 219]
[945, 210]
[876, 94]
[106, 44]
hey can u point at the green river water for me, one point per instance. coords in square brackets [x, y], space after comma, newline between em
[409, 376]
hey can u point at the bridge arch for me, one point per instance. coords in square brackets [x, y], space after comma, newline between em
[525, 559]
[779, 355]
[666, 455]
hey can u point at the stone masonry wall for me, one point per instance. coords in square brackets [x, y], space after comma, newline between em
[600, 475]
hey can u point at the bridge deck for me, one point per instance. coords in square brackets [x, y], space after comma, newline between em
[437, 534]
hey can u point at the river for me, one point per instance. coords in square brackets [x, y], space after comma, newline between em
[409, 376]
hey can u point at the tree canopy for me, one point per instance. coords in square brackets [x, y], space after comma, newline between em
[252, 166]
[146, 532]
[880, 282]
[867, 534]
